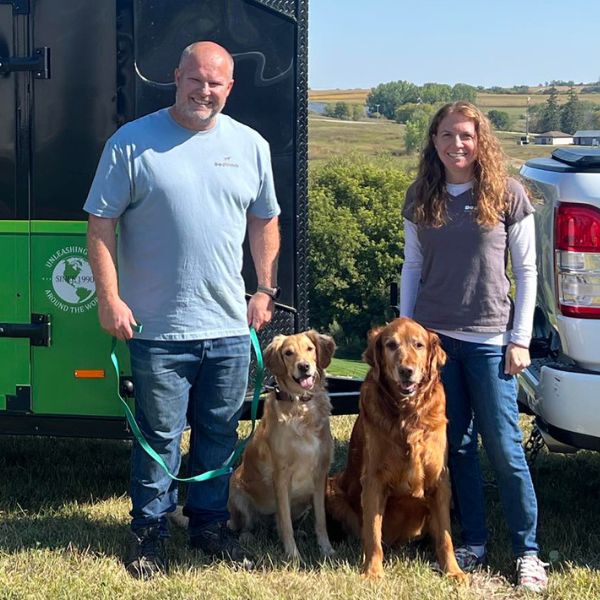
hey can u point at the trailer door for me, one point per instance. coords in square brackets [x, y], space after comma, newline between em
[74, 112]
[15, 311]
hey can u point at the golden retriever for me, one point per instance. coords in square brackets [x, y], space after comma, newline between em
[285, 464]
[395, 486]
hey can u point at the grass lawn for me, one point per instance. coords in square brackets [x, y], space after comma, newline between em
[64, 518]
[348, 368]
[378, 139]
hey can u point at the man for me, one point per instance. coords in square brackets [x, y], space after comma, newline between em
[184, 183]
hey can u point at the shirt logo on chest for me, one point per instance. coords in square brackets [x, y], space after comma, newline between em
[226, 162]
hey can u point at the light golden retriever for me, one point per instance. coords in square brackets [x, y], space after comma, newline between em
[395, 486]
[284, 467]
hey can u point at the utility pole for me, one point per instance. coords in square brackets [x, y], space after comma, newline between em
[527, 121]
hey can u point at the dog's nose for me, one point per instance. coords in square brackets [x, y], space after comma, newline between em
[406, 372]
[303, 366]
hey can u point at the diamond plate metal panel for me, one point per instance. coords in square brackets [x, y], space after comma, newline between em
[302, 241]
[284, 7]
[283, 322]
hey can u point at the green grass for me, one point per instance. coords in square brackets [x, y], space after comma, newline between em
[378, 139]
[348, 368]
[382, 140]
[64, 518]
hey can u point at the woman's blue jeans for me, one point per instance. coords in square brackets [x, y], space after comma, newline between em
[200, 382]
[482, 400]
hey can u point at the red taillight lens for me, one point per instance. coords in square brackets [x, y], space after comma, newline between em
[577, 260]
[577, 228]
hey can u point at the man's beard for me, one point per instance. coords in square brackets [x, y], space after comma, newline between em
[192, 117]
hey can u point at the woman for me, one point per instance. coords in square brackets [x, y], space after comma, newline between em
[463, 217]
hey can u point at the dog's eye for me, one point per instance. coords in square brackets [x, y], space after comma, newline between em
[289, 352]
[419, 345]
[391, 345]
[310, 349]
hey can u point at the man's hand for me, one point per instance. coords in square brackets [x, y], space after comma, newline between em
[260, 310]
[516, 359]
[116, 318]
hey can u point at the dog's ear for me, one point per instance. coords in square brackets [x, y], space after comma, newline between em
[325, 348]
[370, 355]
[272, 356]
[437, 356]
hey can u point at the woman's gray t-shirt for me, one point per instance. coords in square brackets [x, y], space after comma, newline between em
[464, 284]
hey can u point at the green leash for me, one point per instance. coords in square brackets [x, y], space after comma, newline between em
[228, 466]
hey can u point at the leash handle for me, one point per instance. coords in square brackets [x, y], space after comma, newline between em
[228, 465]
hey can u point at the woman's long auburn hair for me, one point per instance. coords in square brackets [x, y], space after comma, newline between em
[489, 170]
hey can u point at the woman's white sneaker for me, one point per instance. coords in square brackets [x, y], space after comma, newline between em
[531, 573]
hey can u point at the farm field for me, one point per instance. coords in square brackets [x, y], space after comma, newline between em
[384, 140]
[514, 104]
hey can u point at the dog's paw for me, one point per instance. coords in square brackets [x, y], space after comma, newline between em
[372, 569]
[460, 577]
[326, 549]
[293, 555]
[372, 574]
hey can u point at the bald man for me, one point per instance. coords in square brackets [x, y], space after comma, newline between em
[184, 184]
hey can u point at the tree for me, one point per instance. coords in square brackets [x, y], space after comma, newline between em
[356, 237]
[500, 119]
[358, 112]
[430, 93]
[462, 91]
[550, 120]
[415, 135]
[387, 97]
[339, 110]
[571, 114]
[409, 111]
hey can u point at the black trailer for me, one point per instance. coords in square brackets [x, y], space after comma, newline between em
[71, 73]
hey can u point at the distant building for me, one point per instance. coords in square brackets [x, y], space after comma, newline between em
[587, 137]
[554, 138]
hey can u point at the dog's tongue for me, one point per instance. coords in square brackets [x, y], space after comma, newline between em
[306, 383]
[409, 389]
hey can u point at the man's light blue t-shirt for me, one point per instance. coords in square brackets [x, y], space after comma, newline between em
[181, 198]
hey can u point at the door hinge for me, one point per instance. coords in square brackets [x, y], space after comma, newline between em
[39, 331]
[38, 64]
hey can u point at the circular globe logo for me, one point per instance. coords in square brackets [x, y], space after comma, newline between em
[73, 281]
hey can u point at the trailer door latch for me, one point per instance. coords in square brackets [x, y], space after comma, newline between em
[39, 63]
[39, 331]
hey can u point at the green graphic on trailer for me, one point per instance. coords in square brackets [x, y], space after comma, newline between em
[69, 280]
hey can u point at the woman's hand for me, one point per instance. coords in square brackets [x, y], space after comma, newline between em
[516, 359]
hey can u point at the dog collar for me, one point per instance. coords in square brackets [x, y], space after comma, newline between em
[285, 397]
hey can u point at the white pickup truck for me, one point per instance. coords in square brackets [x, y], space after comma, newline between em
[562, 386]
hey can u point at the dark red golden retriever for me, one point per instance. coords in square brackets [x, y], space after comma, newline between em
[395, 486]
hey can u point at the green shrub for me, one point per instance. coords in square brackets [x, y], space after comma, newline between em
[356, 245]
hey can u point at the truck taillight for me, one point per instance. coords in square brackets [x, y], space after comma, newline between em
[577, 260]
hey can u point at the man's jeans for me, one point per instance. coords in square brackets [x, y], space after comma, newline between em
[476, 386]
[203, 383]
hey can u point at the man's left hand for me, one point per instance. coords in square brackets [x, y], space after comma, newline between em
[260, 310]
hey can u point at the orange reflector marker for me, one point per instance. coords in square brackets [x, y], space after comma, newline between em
[90, 373]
